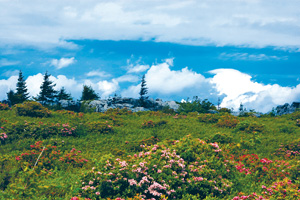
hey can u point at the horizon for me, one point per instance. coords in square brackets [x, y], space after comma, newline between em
[238, 51]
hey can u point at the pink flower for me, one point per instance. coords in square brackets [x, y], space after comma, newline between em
[74, 198]
[18, 158]
[97, 193]
[159, 171]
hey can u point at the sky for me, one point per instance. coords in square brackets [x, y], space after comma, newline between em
[238, 51]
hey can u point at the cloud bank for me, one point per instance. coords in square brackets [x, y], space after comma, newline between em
[233, 86]
[233, 22]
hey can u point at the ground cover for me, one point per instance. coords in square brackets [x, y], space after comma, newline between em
[125, 155]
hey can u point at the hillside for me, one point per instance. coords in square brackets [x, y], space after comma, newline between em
[120, 154]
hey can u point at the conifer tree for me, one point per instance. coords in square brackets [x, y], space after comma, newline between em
[63, 95]
[21, 94]
[12, 97]
[47, 93]
[88, 93]
[144, 89]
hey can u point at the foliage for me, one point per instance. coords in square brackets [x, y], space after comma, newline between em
[47, 94]
[88, 93]
[21, 94]
[196, 106]
[32, 109]
[144, 89]
[151, 124]
[228, 121]
[209, 118]
[63, 95]
[250, 127]
[99, 127]
[12, 97]
[4, 106]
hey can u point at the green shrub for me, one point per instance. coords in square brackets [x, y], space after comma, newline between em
[32, 109]
[208, 118]
[221, 138]
[4, 106]
[250, 126]
[99, 127]
[228, 121]
[151, 124]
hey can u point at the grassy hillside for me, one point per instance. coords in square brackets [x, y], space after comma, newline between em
[120, 154]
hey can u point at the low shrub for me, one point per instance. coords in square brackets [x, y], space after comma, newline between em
[32, 109]
[250, 127]
[99, 127]
[221, 138]
[51, 157]
[228, 121]
[4, 106]
[151, 124]
[161, 170]
[208, 118]
[289, 150]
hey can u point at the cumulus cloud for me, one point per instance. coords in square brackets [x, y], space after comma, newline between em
[6, 85]
[239, 88]
[161, 80]
[63, 62]
[250, 23]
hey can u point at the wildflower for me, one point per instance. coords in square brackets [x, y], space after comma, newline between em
[97, 193]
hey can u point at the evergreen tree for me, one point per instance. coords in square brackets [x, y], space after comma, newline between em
[144, 89]
[12, 97]
[88, 93]
[63, 95]
[21, 94]
[47, 93]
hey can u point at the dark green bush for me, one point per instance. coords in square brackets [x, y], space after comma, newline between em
[250, 127]
[32, 109]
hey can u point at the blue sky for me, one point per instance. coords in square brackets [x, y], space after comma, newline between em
[240, 51]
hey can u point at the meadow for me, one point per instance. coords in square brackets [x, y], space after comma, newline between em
[47, 154]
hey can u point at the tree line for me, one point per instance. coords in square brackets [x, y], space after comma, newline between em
[48, 95]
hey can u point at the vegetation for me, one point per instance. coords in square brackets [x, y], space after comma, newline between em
[88, 94]
[124, 155]
[47, 94]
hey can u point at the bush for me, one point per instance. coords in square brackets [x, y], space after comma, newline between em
[4, 106]
[196, 106]
[228, 121]
[221, 138]
[32, 109]
[151, 124]
[250, 127]
[289, 150]
[99, 127]
[209, 118]
[189, 166]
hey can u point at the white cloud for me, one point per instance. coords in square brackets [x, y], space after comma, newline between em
[239, 88]
[107, 88]
[137, 68]
[127, 78]
[161, 80]
[6, 85]
[247, 56]
[63, 62]
[4, 62]
[10, 73]
[97, 73]
[235, 22]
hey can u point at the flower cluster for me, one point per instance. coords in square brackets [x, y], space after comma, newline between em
[159, 171]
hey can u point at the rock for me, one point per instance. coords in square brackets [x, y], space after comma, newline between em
[287, 109]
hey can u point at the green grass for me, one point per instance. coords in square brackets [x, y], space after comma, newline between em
[127, 135]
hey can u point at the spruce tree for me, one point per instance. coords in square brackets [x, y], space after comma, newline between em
[63, 95]
[144, 89]
[47, 93]
[12, 97]
[21, 94]
[88, 94]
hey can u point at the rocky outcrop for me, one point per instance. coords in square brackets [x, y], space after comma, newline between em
[287, 108]
[118, 102]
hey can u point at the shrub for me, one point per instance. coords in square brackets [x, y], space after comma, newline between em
[4, 106]
[289, 150]
[224, 110]
[99, 127]
[151, 124]
[228, 121]
[161, 170]
[51, 157]
[250, 127]
[221, 138]
[32, 109]
[208, 118]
